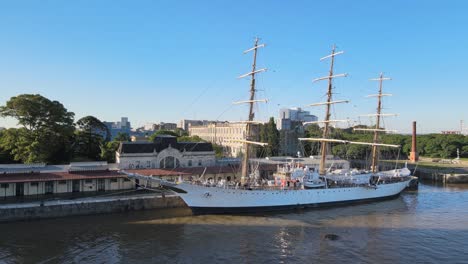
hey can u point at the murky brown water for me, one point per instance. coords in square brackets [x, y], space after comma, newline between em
[428, 226]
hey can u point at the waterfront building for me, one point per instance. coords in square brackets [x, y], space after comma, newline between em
[86, 179]
[164, 152]
[122, 126]
[34, 180]
[225, 134]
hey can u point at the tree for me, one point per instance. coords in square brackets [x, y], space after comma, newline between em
[89, 137]
[46, 133]
[218, 149]
[180, 132]
[122, 137]
[108, 150]
[33, 111]
[94, 126]
[7, 137]
[311, 131]
[162, 132]
[270, 134]
[190, 139]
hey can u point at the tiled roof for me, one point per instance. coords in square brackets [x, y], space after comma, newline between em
[57, 176]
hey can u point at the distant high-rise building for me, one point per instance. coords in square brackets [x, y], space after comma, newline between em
[290, 125]
[286, 115]
[122, 126]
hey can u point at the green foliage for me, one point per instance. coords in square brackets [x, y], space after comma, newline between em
[162, 132]
[190, 139]
[93, 126]
[180, 132]
[5, 155]
[89, 139]
[442, 146]
[270, 134]
[432, 145]
[312, 131]
[219, 150]
[122, 137]
[33, 111]
[46, 133]
[108, 150]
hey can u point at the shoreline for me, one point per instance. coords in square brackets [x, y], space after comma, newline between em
[13, 212]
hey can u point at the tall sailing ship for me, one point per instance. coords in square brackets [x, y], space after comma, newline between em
[295, 186]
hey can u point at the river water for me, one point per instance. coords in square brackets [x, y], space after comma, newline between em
[425, 226]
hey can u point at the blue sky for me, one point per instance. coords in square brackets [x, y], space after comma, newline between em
[166, 60]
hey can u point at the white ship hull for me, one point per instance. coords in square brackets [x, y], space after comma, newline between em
[203, 200]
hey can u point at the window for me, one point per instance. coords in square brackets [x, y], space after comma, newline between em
[62, 182]
[199, 162]
[113, 180]
[34, 184]
[5, 185]
[88, 181]
[169, 162]
[49, 187]
[190, 163]
[126, 180]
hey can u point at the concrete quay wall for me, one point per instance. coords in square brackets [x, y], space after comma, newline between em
[434, 174]
[31, 211]
[443, 177]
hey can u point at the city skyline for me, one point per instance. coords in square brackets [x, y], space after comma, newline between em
[161, 61]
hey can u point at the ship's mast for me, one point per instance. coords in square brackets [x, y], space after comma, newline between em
[375, 148]
[324, 146]
[251, 102]
[324, 140]
[328, 103]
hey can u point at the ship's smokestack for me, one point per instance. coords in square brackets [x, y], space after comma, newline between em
[414, 152]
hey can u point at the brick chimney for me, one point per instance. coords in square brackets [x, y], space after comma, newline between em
[414, 152]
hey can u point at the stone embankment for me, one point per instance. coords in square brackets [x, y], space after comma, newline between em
[86, 206]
